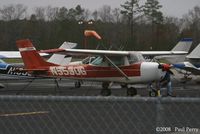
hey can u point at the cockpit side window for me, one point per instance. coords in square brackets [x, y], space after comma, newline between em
[135, 57]
[97, 61]
[102, 61]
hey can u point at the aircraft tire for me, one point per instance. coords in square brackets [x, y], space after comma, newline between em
[153, 93]
[131, 91]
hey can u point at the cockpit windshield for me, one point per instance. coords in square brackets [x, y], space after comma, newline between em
[135, 57]
[97, 61]
[118, 60]
[102, 61]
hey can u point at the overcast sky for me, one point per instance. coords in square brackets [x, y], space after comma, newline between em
[174, 8]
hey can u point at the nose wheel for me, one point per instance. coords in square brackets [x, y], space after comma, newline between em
[153, 93]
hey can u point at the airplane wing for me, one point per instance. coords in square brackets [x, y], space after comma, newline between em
[188, 67]
[14, 54]
[86, 52]
[111, 53]
[195, 71]
[155, 53]
[9, 54]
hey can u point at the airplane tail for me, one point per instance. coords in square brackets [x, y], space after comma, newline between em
[31, 58]
[195, 54]
[183, 45]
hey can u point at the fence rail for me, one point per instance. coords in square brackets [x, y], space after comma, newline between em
[98, 115]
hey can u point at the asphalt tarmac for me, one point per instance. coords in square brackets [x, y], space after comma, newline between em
[17, 86]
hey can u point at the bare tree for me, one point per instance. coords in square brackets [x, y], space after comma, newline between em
[40, 13]
[116, 15]
[105, 14]
[95, 15]
[51, 13]
[13, 12]
[191, 23]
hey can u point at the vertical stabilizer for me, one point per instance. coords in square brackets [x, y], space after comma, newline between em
[183, 45]
[31, 58]
[61, 59]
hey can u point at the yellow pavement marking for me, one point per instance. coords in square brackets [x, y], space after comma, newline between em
[24, 113]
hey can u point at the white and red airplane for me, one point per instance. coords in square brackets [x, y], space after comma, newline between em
[110, 66]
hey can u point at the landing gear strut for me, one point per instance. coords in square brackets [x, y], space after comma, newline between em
[77, 84]
[105, 89]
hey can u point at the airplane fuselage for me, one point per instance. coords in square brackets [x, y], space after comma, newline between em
[136, 73]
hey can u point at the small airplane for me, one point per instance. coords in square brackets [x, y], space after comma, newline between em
[192, 64]
[178, 53]
[108, 67]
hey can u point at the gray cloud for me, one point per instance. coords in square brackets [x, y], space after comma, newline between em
[170, 7]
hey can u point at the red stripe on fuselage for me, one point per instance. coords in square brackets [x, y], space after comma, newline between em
[90, 71]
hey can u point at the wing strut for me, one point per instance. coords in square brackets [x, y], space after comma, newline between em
[118, 69]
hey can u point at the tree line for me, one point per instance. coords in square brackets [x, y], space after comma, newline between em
[133, 26]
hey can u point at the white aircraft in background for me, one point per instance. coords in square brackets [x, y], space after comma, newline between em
[192, 63]
[13, 55]
[183, 45]
[55, 58]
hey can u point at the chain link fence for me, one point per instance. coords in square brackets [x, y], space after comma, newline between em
[98, 115]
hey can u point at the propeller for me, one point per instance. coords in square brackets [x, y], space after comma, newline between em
[165, 67]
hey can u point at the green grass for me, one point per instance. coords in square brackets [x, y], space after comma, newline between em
[13, 60]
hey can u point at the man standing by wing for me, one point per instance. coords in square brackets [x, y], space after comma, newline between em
[166, 82]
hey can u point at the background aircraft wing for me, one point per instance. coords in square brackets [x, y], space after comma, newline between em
[195, 71]
[14, 54]
[9, 54]
[188, 67]
[156, 53]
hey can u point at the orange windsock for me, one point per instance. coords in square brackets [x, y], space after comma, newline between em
[88, 33]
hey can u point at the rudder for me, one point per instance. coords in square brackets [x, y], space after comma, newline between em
[31, 58]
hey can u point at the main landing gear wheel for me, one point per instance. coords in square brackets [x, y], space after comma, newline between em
[153, 93]
[77, 84]
[131, 91]
[105, 91]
